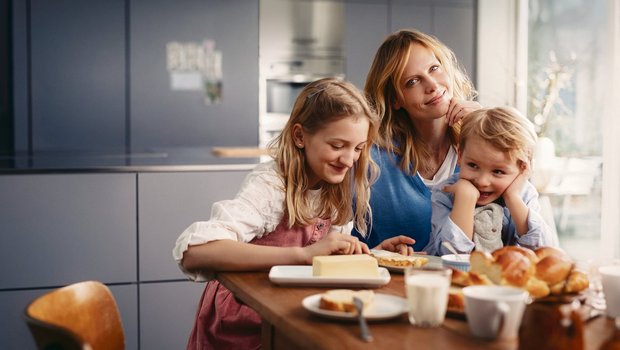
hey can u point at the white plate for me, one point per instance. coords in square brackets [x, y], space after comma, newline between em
[434, 262]
[301, 275]
[383, 307]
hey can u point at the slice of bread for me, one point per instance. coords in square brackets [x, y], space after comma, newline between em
[342, 299]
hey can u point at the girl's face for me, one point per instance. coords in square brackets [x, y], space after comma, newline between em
[333, 150]
[425, 85]
[488, 168]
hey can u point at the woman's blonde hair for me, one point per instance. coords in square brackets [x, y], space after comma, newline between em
[397, 132]
[505, 128]
[318, 104]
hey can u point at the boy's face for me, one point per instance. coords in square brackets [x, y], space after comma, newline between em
[487, 168]
[333, 150]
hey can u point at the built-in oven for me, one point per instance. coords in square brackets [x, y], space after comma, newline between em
[281, 86]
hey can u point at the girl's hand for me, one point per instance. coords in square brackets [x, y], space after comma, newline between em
[336, 243]
[459, 109]
[399, 244]
[514, 189]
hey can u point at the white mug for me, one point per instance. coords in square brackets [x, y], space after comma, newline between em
[494, 311]
[610, 279]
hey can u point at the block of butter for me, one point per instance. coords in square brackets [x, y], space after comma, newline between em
[358, 265]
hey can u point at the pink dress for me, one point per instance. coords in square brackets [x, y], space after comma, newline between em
[221, 321]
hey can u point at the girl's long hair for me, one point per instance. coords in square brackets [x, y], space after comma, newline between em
[397, 132]
[318, 104]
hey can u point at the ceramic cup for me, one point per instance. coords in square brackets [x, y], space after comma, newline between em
[494, 311]
[610, 279]
[427, 295]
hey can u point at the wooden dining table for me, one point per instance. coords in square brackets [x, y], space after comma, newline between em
[288, 325]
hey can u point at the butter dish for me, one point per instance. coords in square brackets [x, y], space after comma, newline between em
[301, 275]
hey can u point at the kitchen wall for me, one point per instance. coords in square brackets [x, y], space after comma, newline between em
[91, 76]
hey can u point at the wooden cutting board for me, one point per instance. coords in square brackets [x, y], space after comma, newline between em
[239, 152]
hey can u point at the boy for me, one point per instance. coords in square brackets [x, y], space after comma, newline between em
[490, 202]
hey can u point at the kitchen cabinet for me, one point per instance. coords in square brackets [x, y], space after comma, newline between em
[116, 227]
[168, 204]
[370, 21]
[61, 228]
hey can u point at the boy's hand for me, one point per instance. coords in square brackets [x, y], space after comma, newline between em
[463, 188]
[514, 189]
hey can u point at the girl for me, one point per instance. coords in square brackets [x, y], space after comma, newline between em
[288, 210]
[420, 92]
[490, 203]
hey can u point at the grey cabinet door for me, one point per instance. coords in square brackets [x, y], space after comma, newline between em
[169, 203]
[59, 229]
[167, 313]
[77, 53]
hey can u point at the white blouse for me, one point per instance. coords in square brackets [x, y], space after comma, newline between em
[256, 210]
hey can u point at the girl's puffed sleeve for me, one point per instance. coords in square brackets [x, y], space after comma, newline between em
[257, 209]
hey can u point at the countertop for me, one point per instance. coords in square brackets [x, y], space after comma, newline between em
[160, 160]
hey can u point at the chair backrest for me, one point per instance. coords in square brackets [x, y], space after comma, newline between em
[83, 315]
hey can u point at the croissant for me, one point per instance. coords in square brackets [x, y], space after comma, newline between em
[541, 272]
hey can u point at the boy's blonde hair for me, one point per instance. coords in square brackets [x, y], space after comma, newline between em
[397, 132]
[505, 128]
[318, 104]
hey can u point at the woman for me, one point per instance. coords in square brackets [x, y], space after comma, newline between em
[421, 93]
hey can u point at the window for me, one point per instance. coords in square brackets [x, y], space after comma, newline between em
[559, 60]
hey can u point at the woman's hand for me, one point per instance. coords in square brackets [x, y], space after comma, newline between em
[459, 109]
[336, 243]
[399, 244]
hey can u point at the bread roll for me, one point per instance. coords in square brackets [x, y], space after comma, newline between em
[537, 288]
[456, 299]
[460, 277]
[516, 268]
[528, 253]
[553, 269]
[342, 299]
[576, 282]
[545, 271]
[543, 252]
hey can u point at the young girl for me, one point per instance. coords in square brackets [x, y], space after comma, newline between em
[290, 209]
[490, 203]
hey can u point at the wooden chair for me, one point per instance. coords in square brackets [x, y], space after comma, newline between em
[83, 316]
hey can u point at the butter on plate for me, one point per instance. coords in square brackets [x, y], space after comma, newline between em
[358, 265]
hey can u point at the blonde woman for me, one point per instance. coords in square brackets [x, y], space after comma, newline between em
[288, 210]
[421, 94]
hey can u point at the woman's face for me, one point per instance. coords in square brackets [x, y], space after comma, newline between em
[425, 85]
[488, 168]
[333, 150]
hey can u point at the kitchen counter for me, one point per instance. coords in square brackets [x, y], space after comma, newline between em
[161, 160]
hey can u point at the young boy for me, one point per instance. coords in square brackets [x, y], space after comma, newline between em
[490, 202]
